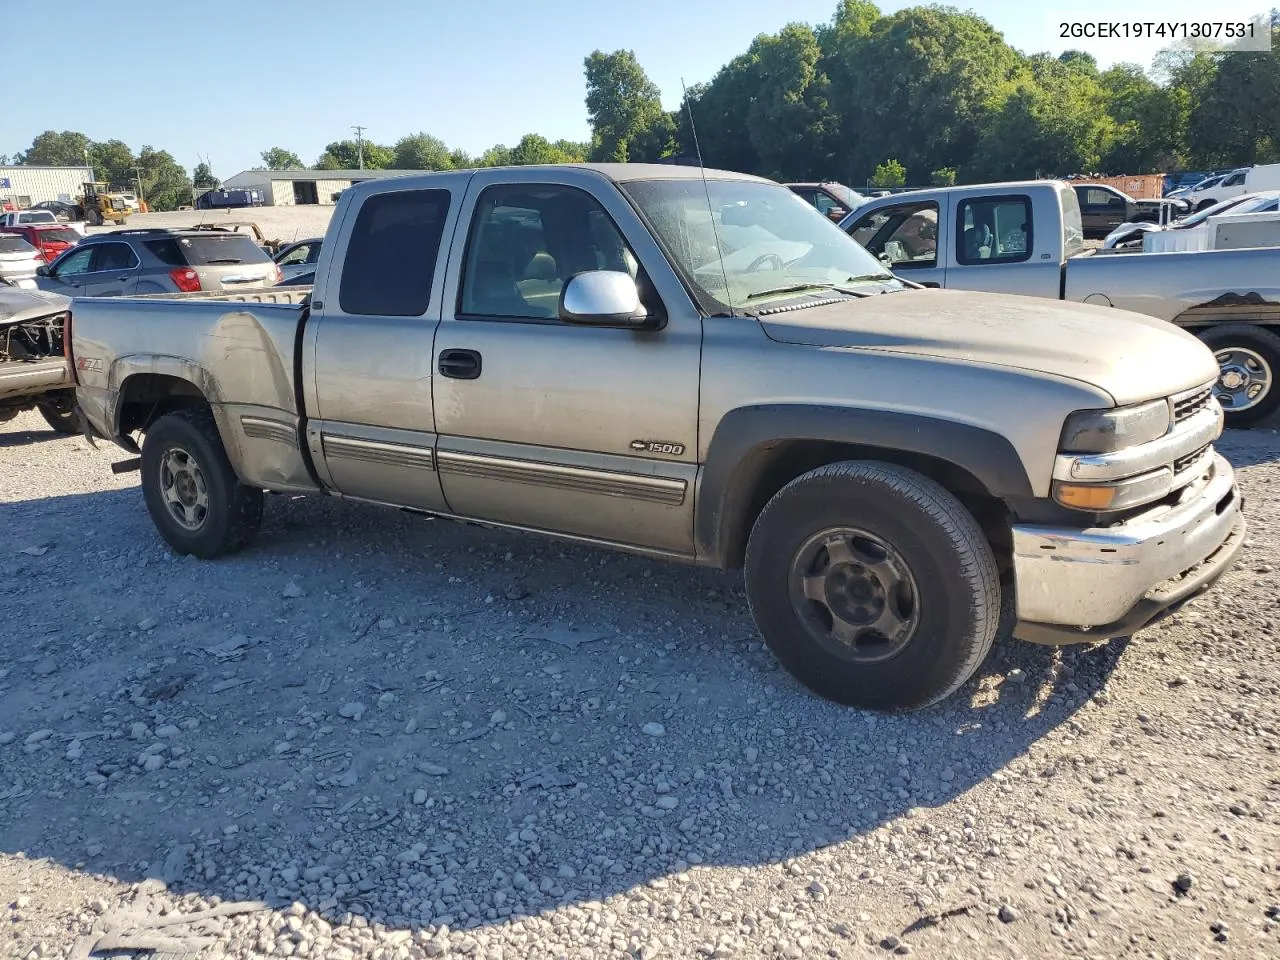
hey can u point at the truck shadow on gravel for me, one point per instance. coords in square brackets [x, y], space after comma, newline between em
[22, 438]
[421, 722]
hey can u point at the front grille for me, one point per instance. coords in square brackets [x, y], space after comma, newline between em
[1190, 404]
[1183, 462]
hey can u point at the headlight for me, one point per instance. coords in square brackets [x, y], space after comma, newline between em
[1106, 431]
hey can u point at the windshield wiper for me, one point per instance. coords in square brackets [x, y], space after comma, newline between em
[794, 288]
[226, 260]
[871, 276]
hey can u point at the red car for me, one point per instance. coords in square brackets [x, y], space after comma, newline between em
[49, 239]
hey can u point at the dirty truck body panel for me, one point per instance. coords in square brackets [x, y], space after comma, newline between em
[438, 364]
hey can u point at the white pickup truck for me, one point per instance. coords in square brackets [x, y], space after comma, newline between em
[708, 371]
[1026, 238]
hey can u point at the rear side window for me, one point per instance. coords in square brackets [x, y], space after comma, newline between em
[993, 230]
[391, 257]
[216, 250]
[166, 251]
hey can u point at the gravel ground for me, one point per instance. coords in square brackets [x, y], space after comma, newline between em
[374, 735]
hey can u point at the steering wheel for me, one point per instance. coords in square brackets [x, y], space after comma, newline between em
[761, 260]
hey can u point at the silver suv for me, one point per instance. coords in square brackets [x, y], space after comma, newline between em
[129, 262]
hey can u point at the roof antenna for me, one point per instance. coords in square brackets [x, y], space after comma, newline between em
[697, 149]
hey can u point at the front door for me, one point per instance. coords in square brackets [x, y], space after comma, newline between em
[584, 431]
[70, 274]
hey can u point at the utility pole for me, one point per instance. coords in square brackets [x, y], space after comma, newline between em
[141, 196]
[360, 143]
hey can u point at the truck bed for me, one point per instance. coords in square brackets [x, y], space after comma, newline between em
[1167, 285]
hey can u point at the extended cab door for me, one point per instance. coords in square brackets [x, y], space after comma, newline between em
[369, 343]
[582, 431]
[998, 246]
[905, 237]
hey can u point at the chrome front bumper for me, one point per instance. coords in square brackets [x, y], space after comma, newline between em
[1075, 585]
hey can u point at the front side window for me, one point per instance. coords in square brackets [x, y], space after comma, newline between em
[993, 230]
[76, 263]
[751, 244]
[526, 241]
[391, 254]
[906, 235]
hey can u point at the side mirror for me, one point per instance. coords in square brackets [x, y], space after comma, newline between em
[42, 270]
[604, 298]
[837, 214]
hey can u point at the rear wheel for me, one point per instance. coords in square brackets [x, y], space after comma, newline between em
[59, 412]
[873, 585]
[195, 499]
[1248, 362]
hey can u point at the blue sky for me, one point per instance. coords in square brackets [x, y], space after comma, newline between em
[253, 74]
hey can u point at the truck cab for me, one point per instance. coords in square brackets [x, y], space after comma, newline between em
[1007, 238]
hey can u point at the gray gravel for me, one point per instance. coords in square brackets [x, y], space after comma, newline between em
[378, 736]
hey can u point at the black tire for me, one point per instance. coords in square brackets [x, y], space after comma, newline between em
[60, 414]
[232, 512]
[1247, 352]
[955, 585]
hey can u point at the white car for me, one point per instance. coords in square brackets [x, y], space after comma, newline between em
[1213, 190]
[23, 218]
[131, 202]
[19, 262]
[1129, 235]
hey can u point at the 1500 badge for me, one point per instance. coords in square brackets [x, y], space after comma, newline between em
[657, 446]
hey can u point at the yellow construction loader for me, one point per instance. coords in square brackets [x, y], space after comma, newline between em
[100, 205]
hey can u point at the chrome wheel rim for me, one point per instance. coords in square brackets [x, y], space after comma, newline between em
[183, 489]
[1244, 378]
[855, 595]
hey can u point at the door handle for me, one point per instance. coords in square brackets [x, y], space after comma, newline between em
[459, 364]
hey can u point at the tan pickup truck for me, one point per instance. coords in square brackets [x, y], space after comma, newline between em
[709, 372]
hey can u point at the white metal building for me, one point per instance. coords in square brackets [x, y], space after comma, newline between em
[285, 188]
[24, 186]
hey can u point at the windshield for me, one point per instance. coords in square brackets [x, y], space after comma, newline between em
[756, 242]
[221, 249]
[1245, 204]
[59, 234]
[11, 243]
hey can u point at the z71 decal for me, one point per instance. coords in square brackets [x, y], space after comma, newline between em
[657, 446]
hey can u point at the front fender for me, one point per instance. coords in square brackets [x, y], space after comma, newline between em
[747, 440]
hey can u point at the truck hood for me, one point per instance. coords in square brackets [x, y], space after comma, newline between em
[1131, 356]
[19, 306]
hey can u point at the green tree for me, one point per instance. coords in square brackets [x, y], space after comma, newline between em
[1236, 117]
[946, 177]
[496, 156]
[421, 151]
[345, 155]
[52, 149]
[623, 104]
[202, 177]
[164, 182]
[1055, 123]
[920, 85]
[889, 174]
[113, 162]
[278, 158]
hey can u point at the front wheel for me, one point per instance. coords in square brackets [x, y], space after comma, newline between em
[1248, 360]
[873, 585]
[195, 499]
